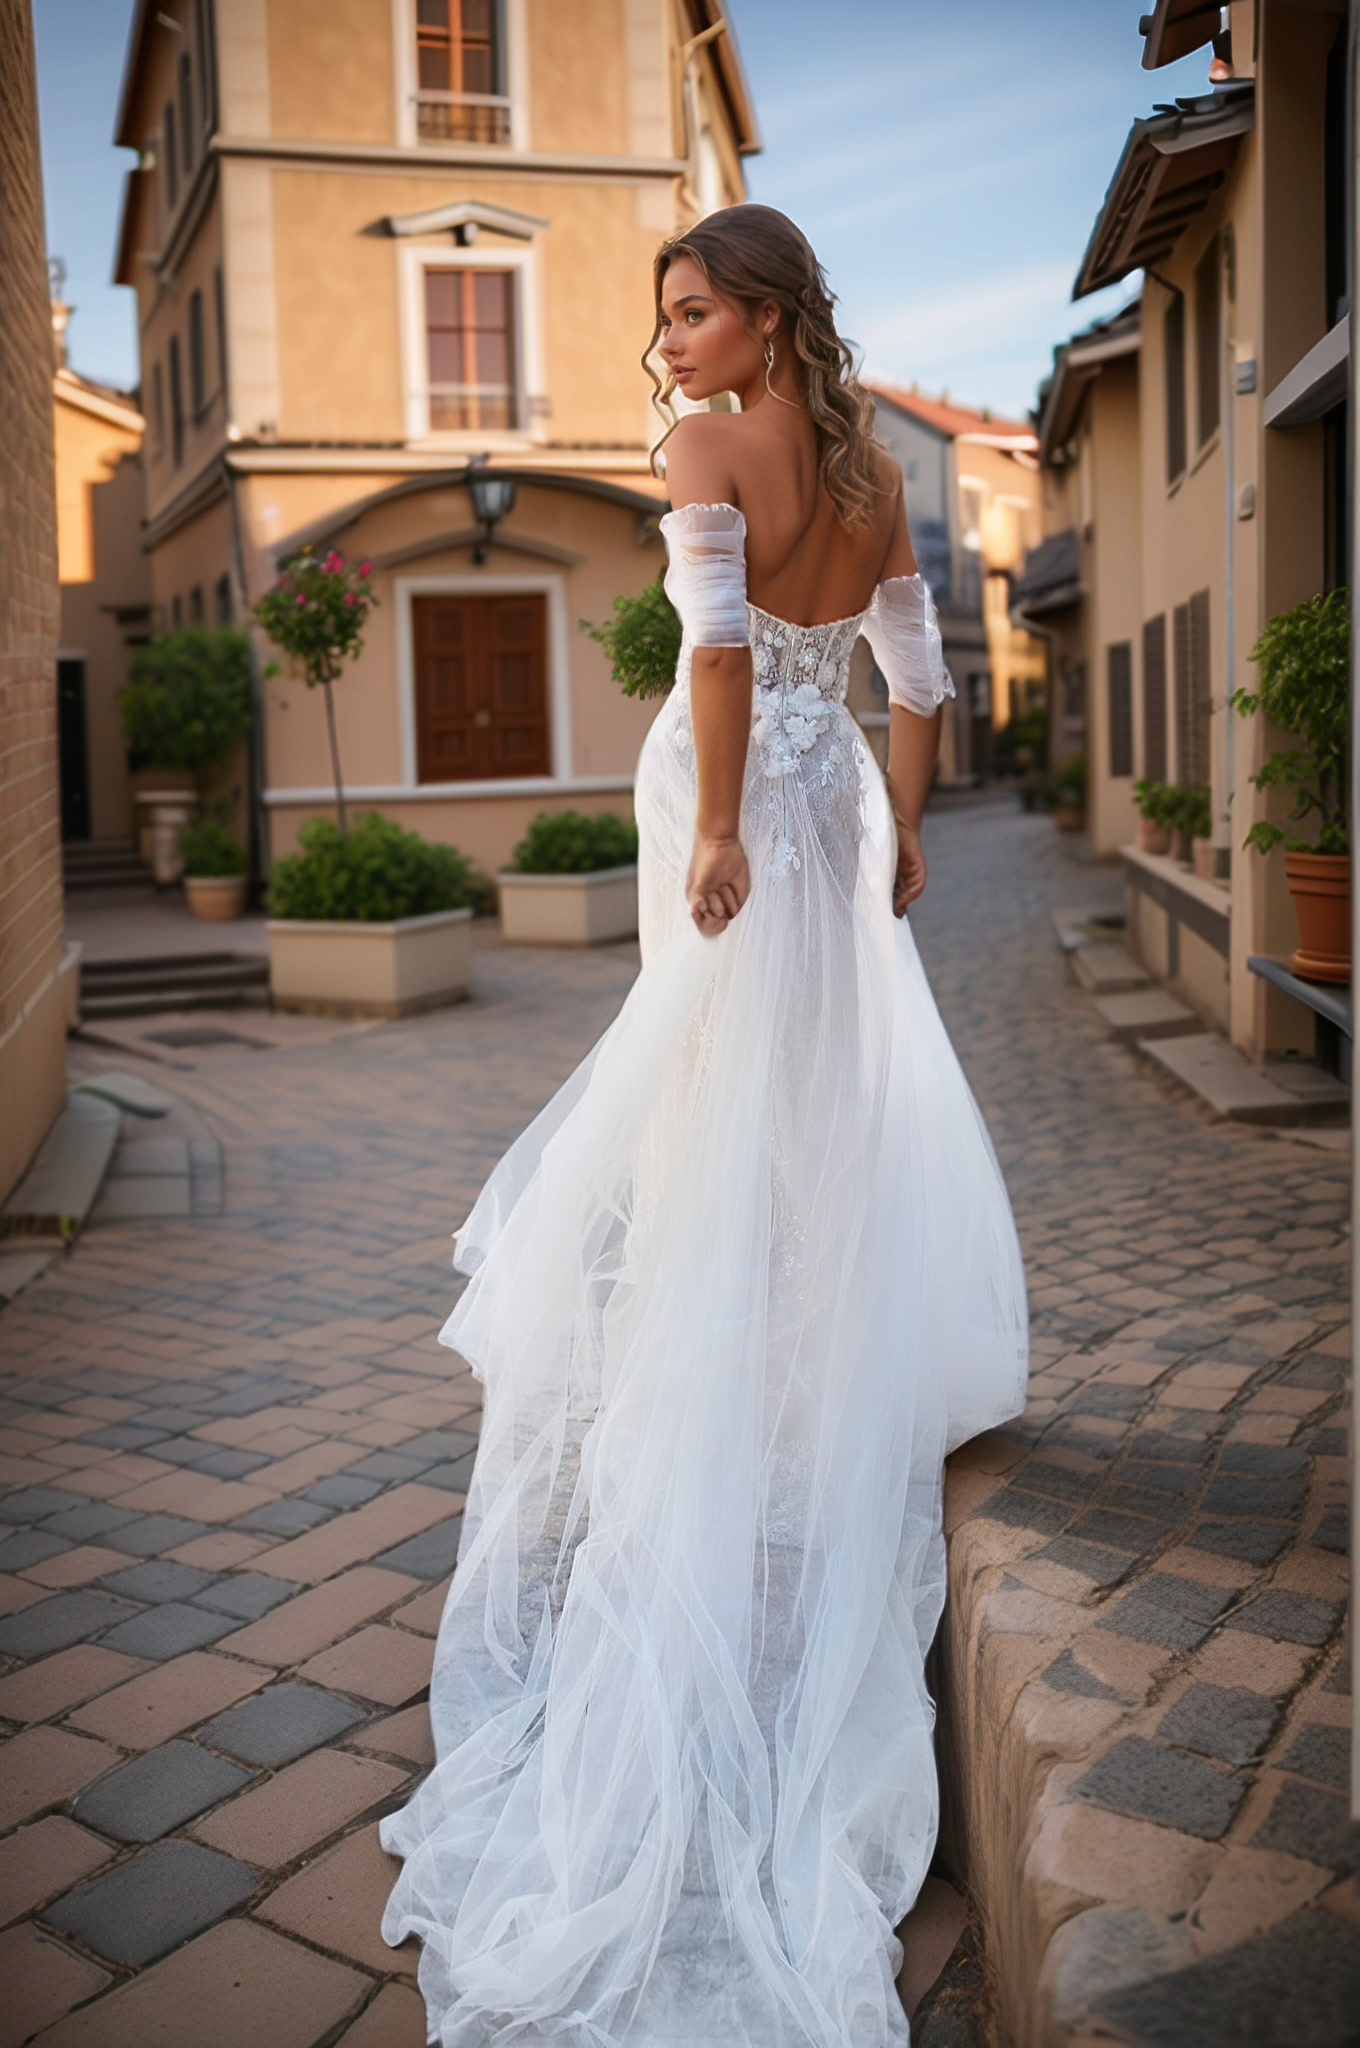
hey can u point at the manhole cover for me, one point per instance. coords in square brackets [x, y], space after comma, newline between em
[184, 1035]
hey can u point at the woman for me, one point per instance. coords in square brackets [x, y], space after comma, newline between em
[733, 1294]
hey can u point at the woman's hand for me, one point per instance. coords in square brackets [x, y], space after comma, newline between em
[718, 883]
[910, 878]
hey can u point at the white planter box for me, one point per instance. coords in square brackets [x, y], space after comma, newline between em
[569, 910]
[370, 970]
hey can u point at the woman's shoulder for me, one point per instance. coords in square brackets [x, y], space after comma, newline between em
[702, 459]
[887, 469]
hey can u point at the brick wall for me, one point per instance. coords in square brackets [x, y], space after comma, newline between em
[32, 1003]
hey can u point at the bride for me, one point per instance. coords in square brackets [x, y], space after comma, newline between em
[734, 1294]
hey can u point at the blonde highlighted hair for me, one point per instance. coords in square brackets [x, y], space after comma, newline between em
[754, 254]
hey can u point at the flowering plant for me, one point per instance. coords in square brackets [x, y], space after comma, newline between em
[316, 612]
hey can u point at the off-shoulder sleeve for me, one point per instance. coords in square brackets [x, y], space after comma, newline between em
[706, 580]
[903, 630]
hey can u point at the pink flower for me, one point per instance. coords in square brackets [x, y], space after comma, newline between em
[363, 568]
[302, 597]
[349, 597]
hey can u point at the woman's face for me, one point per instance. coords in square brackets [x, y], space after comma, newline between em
[704, 343]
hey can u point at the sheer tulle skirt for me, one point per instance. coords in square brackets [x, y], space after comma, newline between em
[733, 1295]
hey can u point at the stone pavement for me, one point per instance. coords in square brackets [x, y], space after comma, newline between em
[234, 1458]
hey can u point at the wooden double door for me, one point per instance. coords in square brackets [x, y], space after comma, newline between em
[481, 687]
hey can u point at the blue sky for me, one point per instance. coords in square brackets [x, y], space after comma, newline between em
[946, 160]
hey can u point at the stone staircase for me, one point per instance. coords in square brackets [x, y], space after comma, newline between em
[185, 981]
[103, 864]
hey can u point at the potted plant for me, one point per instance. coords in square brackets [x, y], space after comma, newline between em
[1154, 819]
[1197, 816]
[642, 641]
[1303, 658]
[316, 612]
[1069, 794]
[188, 701]
[572, 882]
[374, 921]
[215, 869]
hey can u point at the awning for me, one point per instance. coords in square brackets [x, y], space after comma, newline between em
[1051, 578]
[1172, 163]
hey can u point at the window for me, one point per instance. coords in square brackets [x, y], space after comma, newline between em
[196, 605]
[220, 322]
[459, 86]
[158, 409]
[1173, 337]
[176, 405]
[198, 382]
[186, 111]
[222, 599]
[470, 334]
[1154, 699]
[481, 687]
[170, 151]
[1119, 683]
[1208, 342]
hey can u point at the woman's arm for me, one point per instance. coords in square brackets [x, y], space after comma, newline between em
[719, 880]
[913, 746]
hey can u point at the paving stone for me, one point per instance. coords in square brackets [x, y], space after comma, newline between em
[43, 1859]
[406, 1735]
[43, 1979]
[1333, 1531]
[156, 1581]
[123, 1436]
[337, 1903]
[300, 1807]
[1168, 1448]
[1246, 1493]
[1260, 1984]
[284, 1517]
[386, 1466]
[440, 1444]
[43, 1767]
[1102, 1525]
[1178, 1482]
[142, 1909]
[1153, 1783]
[431, 1555]
[88, 1522]
[378, 1663]
[244, 1595]
[341, 1490]
[321, 1615]
[78, 1565]
[1230, 1723]
[396, 2019]
[1289, 1617]
[1271, 1461]
[32, 1504]
[158, 1791]
[1322, 1754]
[1253, 1542]
[28, 1547]
[225, 1463]
[1065, 1674]
[243, 1984]
[281, 1723]
[1177, 1613]
[1103, 1567]
[149, 1535]
[56, 1623]
[169, 1631]
[455, 1477]
[426, 1611]
[1311, 1822]
[167, 1700]
[37, 1692]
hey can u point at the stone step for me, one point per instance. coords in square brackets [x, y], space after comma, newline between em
[1106, 968]
[59, 1190]
[127, 1091]
[188, 981]
[175, 996]
[103, 864]
[1231, 1087]
[1087, 922]
[1147, 1013]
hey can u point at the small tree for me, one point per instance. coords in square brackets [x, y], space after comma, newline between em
[1304, 659]
[188, 700]
[316, 612]
[642, 641]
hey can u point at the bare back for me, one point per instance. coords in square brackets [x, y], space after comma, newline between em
[802, 563]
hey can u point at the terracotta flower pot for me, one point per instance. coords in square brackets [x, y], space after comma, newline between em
[1204, 852]
[215, 896]
[1320, 884]
[1152, 838]
[1180, 845]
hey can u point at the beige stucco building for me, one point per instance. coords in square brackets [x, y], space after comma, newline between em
[1194, 470]
[378, 248]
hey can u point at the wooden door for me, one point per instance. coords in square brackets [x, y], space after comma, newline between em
[481, 687]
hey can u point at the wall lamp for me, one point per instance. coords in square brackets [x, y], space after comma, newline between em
[493, 498]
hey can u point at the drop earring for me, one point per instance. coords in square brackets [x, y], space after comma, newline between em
[769, 365]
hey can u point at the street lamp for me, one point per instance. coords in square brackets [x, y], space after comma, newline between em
[493, 497]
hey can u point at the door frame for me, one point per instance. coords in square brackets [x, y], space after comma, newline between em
[474, 583]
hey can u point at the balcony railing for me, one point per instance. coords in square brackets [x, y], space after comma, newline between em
[462, 117]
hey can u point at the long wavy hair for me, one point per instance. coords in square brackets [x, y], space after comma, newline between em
[752, 254]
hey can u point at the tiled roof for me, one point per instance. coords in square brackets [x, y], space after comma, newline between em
[953, 421]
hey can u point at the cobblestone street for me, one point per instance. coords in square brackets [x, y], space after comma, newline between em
[234, 1459]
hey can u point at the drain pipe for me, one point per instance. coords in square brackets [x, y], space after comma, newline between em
[1223, 851]
[1353, 548]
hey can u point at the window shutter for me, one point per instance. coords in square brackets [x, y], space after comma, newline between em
[198, 383]
[1208, 345]
[1154, 698]
[1185, 715]
[1201, 696]
[1119, 678]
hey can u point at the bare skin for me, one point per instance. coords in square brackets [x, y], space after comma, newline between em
[802, 565]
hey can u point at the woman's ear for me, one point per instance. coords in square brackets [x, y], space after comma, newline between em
[771, 317]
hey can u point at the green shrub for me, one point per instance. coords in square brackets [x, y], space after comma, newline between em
[642, 641]
[208, 850]
[566, 843]
[1070, 779]
[1194, 809]
[189, 698]
[1304, 658]
[1154, 801]
[372, 874]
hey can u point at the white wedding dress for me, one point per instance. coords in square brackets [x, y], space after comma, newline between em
[733, 1294]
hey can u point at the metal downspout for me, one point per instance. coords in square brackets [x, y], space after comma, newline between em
[1353, 537]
